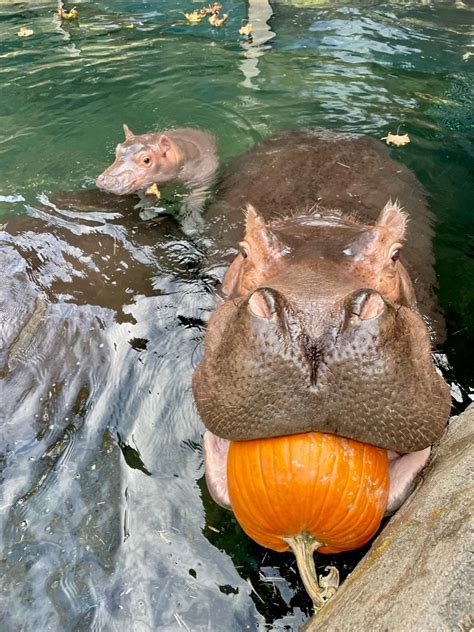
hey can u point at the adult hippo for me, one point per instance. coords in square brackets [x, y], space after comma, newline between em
[328, 306]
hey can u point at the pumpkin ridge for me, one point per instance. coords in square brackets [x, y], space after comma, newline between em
[370, 530]
[243, 493]
[370, 517]
[357, 538]
[355, 500]
[321, 503]
[378, 507]
[266, 518]
[271, 495]
[284, 482]
[295, 523]
[308, 510]
[332, 524]
[335, 544]
[373, 507]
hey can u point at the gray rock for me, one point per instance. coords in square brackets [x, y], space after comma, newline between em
[419, 573]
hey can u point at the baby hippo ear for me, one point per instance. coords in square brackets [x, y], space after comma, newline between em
[127, 131]
[163, 144]
[394, 219]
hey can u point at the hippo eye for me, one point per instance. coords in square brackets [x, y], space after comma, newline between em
[243, 250]
[146, 160]
[395, 256]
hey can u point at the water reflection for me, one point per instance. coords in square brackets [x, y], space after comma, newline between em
[84, 404]
[259, 14]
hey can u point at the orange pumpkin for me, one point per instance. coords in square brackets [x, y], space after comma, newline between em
[308, 491]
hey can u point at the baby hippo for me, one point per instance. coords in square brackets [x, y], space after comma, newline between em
[184, 156]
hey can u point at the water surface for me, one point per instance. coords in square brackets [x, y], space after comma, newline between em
[105, 521]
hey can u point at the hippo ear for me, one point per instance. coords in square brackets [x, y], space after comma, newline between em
[257, 231]
[127, 131]
[252, 219]
[394, 219]
[163, 144]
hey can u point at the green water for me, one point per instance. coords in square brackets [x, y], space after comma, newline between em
[106, 523]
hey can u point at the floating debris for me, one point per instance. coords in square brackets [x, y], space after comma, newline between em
[246, 30]
[213, 8]
[153, 190]
[73, 14]
[396, 139]
[194, 17]
[25, 32]
[215, 20]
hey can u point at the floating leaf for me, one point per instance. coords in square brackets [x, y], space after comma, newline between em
[213, 8]
[396, 139]
[194, 17]
[215, 20]
[246, 30]
[25, 31]
[73, 14]
[153, 190]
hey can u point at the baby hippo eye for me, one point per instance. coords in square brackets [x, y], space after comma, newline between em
[146, 160]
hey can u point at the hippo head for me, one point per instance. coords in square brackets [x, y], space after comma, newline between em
[141, 161]
[319, 330]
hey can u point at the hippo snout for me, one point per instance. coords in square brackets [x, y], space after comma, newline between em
[102, 182]
[117, 180]
[111, 184]
[289, 360]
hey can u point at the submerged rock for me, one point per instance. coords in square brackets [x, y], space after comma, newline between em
[418, 573]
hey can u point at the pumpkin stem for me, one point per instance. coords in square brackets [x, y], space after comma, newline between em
[303, 546]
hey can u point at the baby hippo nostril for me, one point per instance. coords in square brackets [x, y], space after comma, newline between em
[367, 304]
[105, 182]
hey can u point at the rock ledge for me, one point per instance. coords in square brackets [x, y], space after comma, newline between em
[419, 573]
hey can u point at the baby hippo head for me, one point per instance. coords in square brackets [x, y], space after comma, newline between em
[320, 332]
[141, 161]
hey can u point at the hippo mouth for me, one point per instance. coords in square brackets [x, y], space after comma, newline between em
[403, 472]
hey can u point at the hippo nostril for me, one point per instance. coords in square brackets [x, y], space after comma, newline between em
[367, 304]
[372, 307]
[262, 303]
